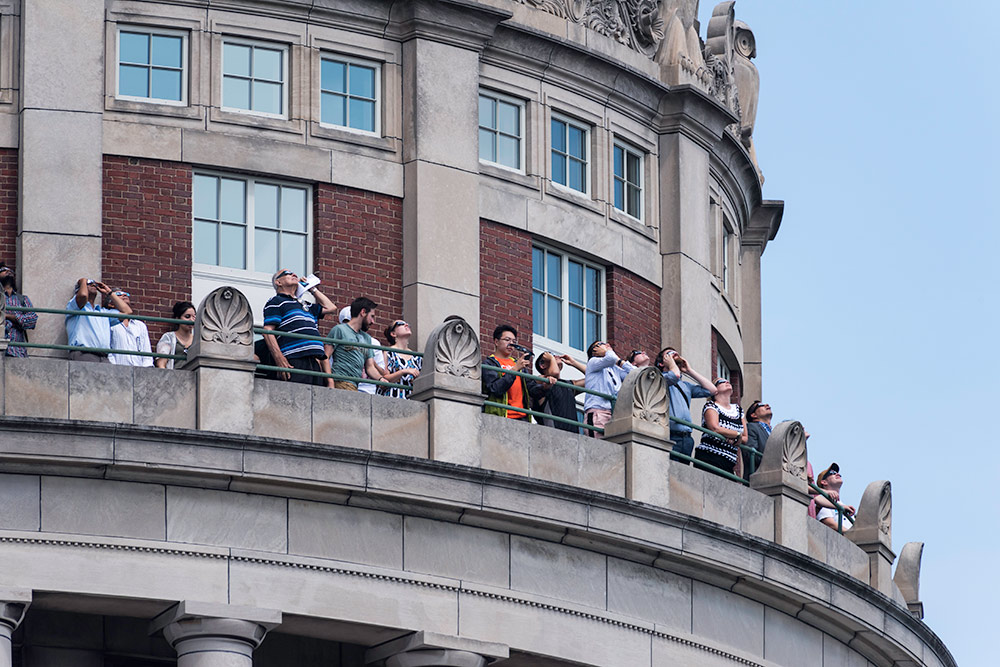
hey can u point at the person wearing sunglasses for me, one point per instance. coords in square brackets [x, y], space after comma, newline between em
[400, 365]
[131, 335]
[94, 332]
[758, 429]
[283, 312]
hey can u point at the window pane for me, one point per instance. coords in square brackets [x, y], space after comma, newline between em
[634, 169]
[166, 51]
[267, 97]
[509, 152]
[293, 252]
[265, 205]
[577, 148]
[334, 109]
[363, 115]
[334, 76]
[593, 327]
[558, 168]
[509, 118]
[554, 329]
[593, 289]
[619, 195]
[235, 93]
[265, 251]
[576, 328]
[553, 272]
[486, 106]
[236, 59]
[166, 84]
[205, 246]
[487, 147]
[267, 64]
[204, 193]
[538, 313]
[363, 81]
[537, 269]
[232, 246]
[133, 47]
[575, 282]
[232, 205]
[133, 81]
[559, 136]
[619, 160]
[576, 175]
[634, 199]
[293, 209]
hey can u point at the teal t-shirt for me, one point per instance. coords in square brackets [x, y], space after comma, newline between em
[347, 359]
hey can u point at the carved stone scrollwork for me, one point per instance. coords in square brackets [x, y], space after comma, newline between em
[226, 318]
[650, 402]
[788, 438]
[638, 24]
[907, 577]
[456, 351]
[874, 519]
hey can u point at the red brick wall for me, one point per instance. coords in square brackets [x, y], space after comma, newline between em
[504, 282]
[146, 234]
[633, 313]
[8, 206]
[358, 249]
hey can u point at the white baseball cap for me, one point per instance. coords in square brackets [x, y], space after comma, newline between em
[345, 314]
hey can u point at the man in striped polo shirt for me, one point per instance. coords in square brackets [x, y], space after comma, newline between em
[283, 312]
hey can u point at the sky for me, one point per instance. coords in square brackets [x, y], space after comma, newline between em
[876, 125]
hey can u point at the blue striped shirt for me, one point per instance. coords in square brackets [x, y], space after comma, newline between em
[286, 313]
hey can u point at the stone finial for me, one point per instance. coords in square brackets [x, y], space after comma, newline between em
[784, 460]
[907, 577]
[641, 409]
[451, 368]
[223, 331]
[874, 520]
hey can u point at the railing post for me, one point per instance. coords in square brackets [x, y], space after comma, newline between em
[872, 532]
[430, 649]
[907, 577]
[782, 476]
[222, 357]
[641, 422]
[14, 603]
[451, 385]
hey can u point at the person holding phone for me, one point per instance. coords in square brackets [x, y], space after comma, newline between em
[89, 331]
[500, 387]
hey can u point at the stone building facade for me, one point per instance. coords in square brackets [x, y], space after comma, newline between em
[582, 169]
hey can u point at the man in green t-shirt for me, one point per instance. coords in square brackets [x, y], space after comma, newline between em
[348, 359]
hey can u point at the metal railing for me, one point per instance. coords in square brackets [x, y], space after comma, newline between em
[841, 511]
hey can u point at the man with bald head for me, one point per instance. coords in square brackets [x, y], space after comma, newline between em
[284, 312]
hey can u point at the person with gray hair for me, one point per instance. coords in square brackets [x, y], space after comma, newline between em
[284, 312]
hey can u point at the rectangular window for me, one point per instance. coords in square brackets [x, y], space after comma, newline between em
[350, 92]
[501, 130]
[628, 179]
[569, 154]
[567, 298]
[253, 78]
[152, 65]
[250, 224]
[721, 369]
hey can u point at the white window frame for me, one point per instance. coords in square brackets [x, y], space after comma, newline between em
[521, 139]
[151, 31]
[349, 60]
[629, 149]
[722, 370]
[254, 43]
[580, 125]
[564, 346]
[728, 236]
[250, 274]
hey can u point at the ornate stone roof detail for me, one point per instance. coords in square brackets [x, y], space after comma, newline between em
[226, 318]
[638, 24]
[456, 349]
[790, 436]
[649, 398]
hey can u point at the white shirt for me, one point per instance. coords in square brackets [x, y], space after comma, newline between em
[827, 513]
[379, 355]
[135, 337]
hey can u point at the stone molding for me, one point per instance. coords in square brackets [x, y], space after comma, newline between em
[431, 649]
[461, 23]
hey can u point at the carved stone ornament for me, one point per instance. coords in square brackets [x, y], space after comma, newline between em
[874, 519]
[650, 402]
[638, 24]
[226, 318]
[790, 438]
[456, 350]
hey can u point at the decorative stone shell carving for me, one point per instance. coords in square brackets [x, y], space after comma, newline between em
[456, 350]
[638, 24]
[790, 438]
[874, 519]
[226, 318]
[650, 402]
[885, 510]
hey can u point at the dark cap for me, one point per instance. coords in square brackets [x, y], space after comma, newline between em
[834, 468]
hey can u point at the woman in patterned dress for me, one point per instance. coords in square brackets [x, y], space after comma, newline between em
[400, 364]
[726, 419]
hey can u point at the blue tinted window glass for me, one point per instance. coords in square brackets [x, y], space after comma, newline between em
[619, 162]
[133, 47]
[267, 97]
[166, 84]
[232, 201]
[593, 288]
[576, 175]
[133, 81]
[634, 201]
[487, 147]
[575, 282]
[509, 152]
[537, 269]
[577, 148]
[576, 328]
[619, 195]
[236, 93]
[165, 51]
[267, 64]
[558, 168]
[634, 169]
[334, 76]
[509, 118]
[554, 328]
[205, 246]
[265, 251]
[553, 274]
[486, 106]
[205, 197]
[334, 109]
[558, 136]
[265, 205]
[232, 246]
[362, 115]
[593, 326]
[293, 209]
[236, 59]
[293, 252]
[363, 81]
[538, 313]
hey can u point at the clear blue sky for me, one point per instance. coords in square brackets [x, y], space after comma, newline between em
[877, 127]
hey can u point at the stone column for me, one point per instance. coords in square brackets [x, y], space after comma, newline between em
[442, 42]
[764, 222]
[14, 602]
[429, 649]
[782, 476]
[640, 421]
[214, 635]
[222, 357]
[450, 382]
[60, 154]
[691, 123]
[872, 532]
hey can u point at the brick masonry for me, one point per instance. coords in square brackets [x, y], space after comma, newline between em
[504, 281]
[633, 313]
[358, 249]
[8, 206]
[146, 234]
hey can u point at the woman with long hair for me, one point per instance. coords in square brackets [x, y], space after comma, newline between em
[401, 366]
[179, 340]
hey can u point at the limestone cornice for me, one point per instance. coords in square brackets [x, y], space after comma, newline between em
[462, 23]
[765, 220]
[732, 168]
[689, 110]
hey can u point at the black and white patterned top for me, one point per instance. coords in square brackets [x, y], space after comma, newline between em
[731, 419]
